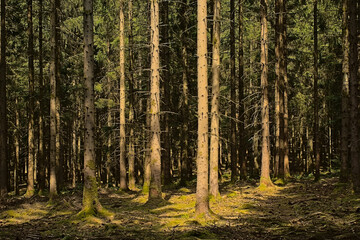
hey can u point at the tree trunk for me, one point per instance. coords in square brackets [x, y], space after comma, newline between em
[345, 134]
[316, 99]
[241, 117]
[354, 116]
[131, 102]
[184, 139]
[30, 191]
[214, 139]
[123, 183]
[91, 203]
[166, 80]
[232, 94]
[155, 132]
[3, 111]
[41, 161]
[202, 190]
[53, 93]
[265, 180]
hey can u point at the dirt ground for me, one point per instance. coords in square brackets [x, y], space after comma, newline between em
[301, 209]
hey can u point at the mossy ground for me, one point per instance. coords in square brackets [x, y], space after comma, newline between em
[301, 209]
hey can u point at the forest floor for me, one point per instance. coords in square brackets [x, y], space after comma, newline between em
[301, 209]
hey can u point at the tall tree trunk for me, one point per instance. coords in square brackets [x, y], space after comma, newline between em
[202, 189]
[265, 180]
[155, 132]
[241, 117]
[353, 74]
[41, 161]
[3, 112]
[123, 183]
[233, 94]
[53, 93]
[316, 98]
[285, 94]
[345, 134]
[214, 138]
[184, 139]
[30, 191]
[166, 80]
[131, 102]
[91, 203]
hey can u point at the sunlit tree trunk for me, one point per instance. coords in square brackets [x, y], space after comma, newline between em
[17, 147]
[214, 138]
[91, 203]
[30, 191]
[155, 132]
[265, 148]
[353, 80]
[232, 94]
[123, 183]
[131, 102]
[3, 112]
[202, 165]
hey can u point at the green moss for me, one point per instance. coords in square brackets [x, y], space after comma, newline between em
[184, 190]
[280, 182]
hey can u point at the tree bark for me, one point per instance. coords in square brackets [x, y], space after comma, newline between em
[353, 80]
[202, 190]
[155, 132]
[3, 111]
[30, 191]
[214, 138]
[241, 117]
[233, 94]
[53, 94]
[265, 180]
[316, 98]
[91, 203]
[123, 183]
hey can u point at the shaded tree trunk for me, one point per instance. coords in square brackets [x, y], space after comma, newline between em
[91, 203]
[3, 111]
[345, 134]
[232, 94]
[353, 80]
[30, 191]
[316, 98]
[202, 190]
[215, 115]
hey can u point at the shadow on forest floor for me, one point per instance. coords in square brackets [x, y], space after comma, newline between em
[299, 210]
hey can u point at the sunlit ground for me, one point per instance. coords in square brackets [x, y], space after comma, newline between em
[299, 210]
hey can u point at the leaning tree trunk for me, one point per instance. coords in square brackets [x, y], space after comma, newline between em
[202, 190]
[354, 116]
[214, 139]
[91, 203]
[30, 191]
[155, 132]
[265, 180]
[123, 183]
[3, 112]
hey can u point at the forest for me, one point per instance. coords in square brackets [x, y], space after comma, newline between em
[187, 119]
